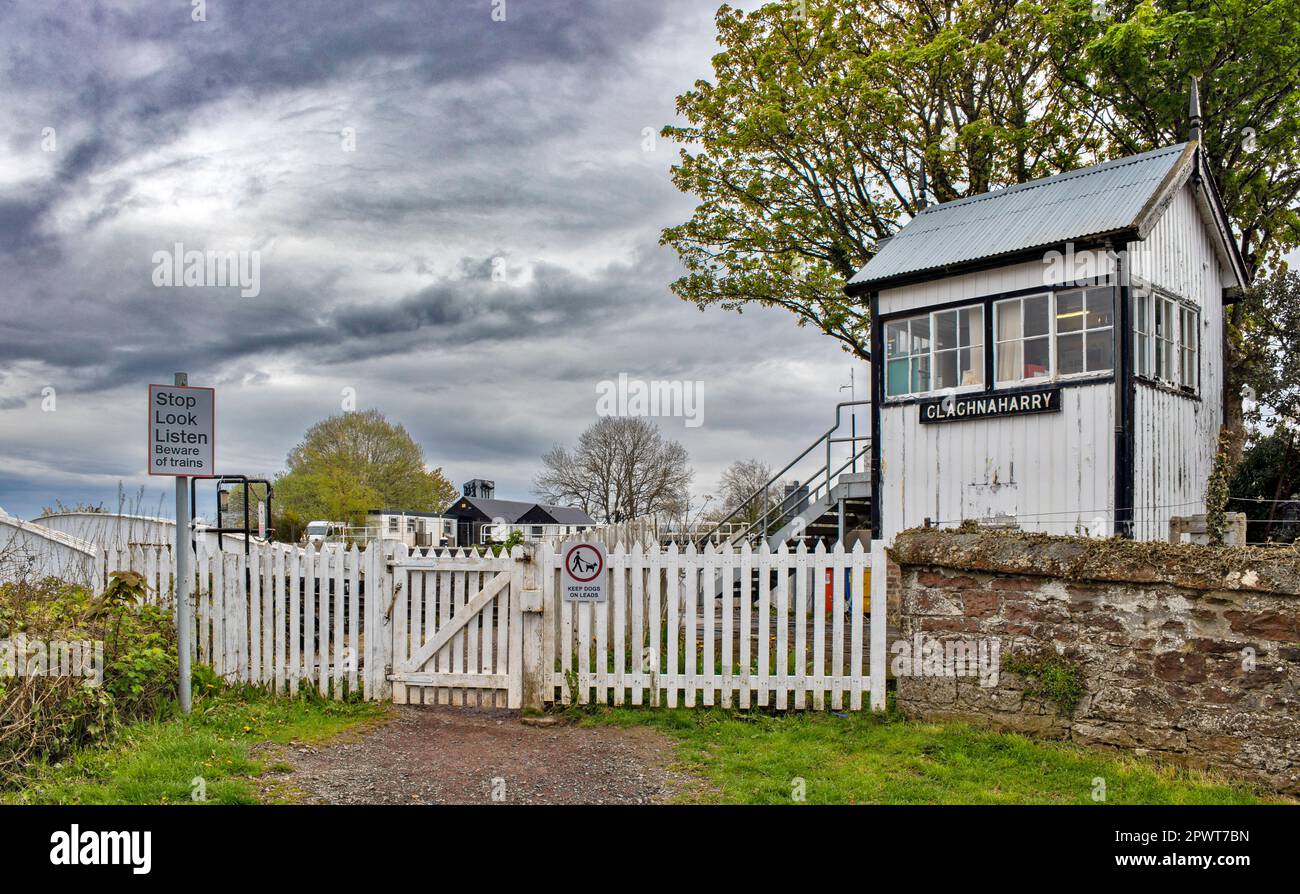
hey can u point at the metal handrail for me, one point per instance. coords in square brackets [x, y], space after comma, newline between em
[812, 494]
[809, 449]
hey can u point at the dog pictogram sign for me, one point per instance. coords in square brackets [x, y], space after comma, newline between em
[583, 566]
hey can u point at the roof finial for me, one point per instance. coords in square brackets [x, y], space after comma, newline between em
[921, 200]
[1195, 112]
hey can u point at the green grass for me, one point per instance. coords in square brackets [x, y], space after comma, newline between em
[156, 762]
[755, 758]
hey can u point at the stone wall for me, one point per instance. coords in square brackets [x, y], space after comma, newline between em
[1188, 652]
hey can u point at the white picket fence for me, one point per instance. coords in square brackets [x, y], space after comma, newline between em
[725, 626]
[285, 616]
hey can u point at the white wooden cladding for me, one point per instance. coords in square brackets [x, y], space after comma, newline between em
[1176, 436]
[245, 610]
[457, 628]
[727, 627]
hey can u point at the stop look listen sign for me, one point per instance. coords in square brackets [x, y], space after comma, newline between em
[583, 568]
[182, 430]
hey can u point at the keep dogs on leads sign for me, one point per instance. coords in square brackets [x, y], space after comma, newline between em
[583, 572]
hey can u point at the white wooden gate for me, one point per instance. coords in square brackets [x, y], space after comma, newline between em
[457, 630]
[786, 629]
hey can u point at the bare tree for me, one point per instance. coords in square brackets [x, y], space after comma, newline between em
[622, 468]
[743, 479]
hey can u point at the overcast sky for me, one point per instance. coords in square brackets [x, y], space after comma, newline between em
[380, 158]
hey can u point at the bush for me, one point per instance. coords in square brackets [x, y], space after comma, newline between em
[46, 716]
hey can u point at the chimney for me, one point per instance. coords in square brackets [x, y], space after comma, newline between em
[479, 489]
[1195, 113]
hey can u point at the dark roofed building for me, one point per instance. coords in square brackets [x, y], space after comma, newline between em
[544, 514]
[534, 519]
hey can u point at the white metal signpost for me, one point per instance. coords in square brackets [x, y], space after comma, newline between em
[583, 578]
[182, 443]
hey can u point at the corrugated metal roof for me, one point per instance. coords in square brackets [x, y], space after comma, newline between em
[1092, 201]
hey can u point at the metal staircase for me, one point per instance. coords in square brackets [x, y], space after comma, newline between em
[834, 499]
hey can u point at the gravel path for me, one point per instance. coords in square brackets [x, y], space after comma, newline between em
[436, 755]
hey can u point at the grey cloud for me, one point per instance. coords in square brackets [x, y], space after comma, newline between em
[474, 141]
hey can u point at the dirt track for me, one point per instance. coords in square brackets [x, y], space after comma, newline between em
[436, 755]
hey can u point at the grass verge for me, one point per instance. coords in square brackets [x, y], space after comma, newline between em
[160, 762]
[755, 758]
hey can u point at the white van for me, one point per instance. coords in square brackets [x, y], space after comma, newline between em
[319, 532]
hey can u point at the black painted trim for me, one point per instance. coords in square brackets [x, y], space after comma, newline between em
[1088, 243]
[877, 397]
[986, 302]
[1126, 393]
[1063, 384]
[989, 300]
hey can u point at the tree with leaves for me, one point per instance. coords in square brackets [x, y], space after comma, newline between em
[353, 462]
[822, 133]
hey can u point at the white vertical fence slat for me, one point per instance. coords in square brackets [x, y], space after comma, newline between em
[746, 566]
[782, 656]
[858, 596]
[638, 670]
[708, 606]
[801, 630]
[296, 566]
[820, 571]
[727, 654]
[879, 607]
[837, 630]
[619, 623]
[654, 659]
[255, 625]
[354, 618]
[672, 599]
[401, 628]
[690, 608]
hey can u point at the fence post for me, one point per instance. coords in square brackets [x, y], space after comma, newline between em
[394, 636]
[526, 560]
[879, 618]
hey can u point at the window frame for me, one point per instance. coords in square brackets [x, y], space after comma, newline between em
[989, 304]
[932, 352]
[1053, 336]
[1085, 332]
[1143, 334]
[1166, 353]
[1186, 312]
[1049, 335]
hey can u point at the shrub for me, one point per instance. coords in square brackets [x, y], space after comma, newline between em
[45, 717]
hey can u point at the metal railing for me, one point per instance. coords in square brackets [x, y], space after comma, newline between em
[497, 532]
[823, 479]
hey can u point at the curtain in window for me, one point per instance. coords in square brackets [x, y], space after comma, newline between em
[1010, 352]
